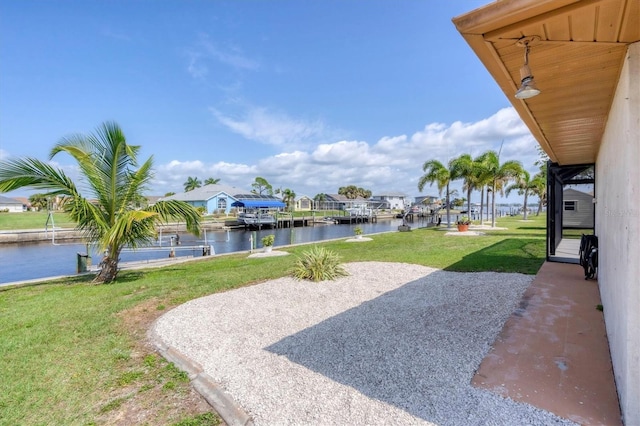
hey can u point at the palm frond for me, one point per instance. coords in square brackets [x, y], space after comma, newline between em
[170, 209]
[31, 172]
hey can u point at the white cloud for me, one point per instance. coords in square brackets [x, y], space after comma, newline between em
[4, 154]
[341, 152]
[388, 144]
[231, 55]
[393, 163]
[196, 68]
[207, 54]
[273, 128]
[184, 166]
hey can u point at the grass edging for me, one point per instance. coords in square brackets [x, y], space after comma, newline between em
[226, 407]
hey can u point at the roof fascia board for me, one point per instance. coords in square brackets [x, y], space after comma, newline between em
[505, 12]
[538, 19]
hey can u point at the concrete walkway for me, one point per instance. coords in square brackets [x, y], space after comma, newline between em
[553, 351]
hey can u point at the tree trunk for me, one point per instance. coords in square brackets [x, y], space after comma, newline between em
[493, 205]
[448, 208]
[526, 194]
[481, 203]
[108, 269]
[469, 202]
[487, 204]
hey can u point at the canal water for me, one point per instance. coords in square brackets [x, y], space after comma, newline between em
[20, 262]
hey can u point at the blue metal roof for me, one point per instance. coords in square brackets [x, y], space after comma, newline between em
[258, 204]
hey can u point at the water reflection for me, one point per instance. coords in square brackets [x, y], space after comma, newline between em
[38, 260]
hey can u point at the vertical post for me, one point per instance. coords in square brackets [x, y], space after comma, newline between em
[172, 252]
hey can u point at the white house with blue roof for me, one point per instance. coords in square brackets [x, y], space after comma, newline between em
[213, 198]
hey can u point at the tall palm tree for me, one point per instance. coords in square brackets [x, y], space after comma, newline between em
[483, 181]
[540, 179]
[288, 196]
[466, 167]
[540, 188]
[111, 185]
[436, 172]
[211, 181]
[525, 186]
[501, 174]
[192, 183]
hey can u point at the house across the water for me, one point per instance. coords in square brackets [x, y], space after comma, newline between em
[11, 205]
[212, 198]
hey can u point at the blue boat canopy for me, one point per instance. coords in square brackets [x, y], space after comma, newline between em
[258, 204]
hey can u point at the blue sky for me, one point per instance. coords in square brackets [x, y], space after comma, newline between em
[311, 95]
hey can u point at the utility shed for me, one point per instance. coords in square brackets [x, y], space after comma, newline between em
[577, 209]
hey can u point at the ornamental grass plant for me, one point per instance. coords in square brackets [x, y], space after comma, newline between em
[318, 264]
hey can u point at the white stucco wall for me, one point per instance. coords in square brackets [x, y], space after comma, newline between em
[11, 208]
[618, 230]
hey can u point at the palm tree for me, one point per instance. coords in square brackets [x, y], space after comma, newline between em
[467, 168]
[351, 192]
[436, 172]
[319, 200]
[192, 183]
[540, 179]
[105, 211]
[525, 186]
[211, 181]
[288, 196]
[539, 182]
[39, 201]
[484, 179]
[500, 174]
[364, 193]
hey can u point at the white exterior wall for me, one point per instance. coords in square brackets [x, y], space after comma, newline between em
[618, 230]
[12, 208]
[395, 202]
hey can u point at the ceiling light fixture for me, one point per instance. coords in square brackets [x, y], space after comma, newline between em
[528, 88]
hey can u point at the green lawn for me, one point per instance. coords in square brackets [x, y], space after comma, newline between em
[33, 220]
[73, 352]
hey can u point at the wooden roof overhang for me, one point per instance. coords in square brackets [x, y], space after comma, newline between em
[576, 64]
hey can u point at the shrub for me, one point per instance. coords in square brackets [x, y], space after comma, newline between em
[318, 264]
[464, 220]
[357, 230]
[268, 240]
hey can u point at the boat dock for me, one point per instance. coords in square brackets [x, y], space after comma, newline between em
[297, 222]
